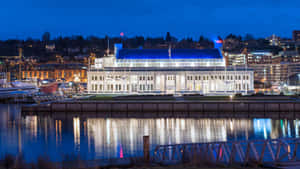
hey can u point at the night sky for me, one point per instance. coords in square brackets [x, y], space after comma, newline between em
[183, 18]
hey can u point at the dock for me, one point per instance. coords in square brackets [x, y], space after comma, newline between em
[171, 108]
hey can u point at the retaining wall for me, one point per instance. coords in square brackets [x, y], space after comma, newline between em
[157, 109]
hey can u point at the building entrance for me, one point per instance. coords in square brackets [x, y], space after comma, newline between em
[170, 84]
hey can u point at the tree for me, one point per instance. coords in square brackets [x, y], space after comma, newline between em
[168, 37]
[46, 37]
[248, 37]
[201, 39]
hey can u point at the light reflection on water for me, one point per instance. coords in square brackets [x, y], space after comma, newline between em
[94, 138]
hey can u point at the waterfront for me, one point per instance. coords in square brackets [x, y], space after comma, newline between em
[96, 138]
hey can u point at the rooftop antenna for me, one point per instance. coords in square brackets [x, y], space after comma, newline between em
[170, 52]
[107, 51]
[170, 55]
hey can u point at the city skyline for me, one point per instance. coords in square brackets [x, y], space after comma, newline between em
[22, 20]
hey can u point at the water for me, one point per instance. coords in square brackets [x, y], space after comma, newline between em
[96, 138]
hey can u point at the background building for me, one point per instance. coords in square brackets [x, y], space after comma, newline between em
[73, 72]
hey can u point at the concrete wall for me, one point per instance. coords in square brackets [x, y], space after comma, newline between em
[241, 109]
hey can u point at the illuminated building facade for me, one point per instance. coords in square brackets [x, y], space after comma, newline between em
[260, 57]
[58, 72]
[167, 71]
[272, 76]
[236, 58]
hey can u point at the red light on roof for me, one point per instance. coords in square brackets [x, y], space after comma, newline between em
[122, 34]
[218, 41]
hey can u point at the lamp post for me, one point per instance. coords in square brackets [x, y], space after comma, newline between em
[298, 84]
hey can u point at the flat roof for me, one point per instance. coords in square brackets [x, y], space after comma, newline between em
[172, 69]
[169, 54]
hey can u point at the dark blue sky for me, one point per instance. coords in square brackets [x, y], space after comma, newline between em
[183, 18]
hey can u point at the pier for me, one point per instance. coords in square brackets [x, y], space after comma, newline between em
[272, 152]
[174, 108]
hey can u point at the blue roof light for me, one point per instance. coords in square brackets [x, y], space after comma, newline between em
[164, 54]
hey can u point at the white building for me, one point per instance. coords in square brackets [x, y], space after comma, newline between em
[167, 71]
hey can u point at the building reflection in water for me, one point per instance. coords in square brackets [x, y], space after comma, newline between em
[108, 136]
[76, 131]
[94, 138]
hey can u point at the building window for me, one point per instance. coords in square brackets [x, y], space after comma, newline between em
[96, 86]
[100, 87]
[92, 86]
[196, 77]
[96, 77]
[92, 77]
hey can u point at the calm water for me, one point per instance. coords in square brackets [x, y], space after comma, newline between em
[95, 138]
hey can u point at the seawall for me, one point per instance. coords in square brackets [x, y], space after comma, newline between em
[160, 109]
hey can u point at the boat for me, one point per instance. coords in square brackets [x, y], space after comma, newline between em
[49, 88]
